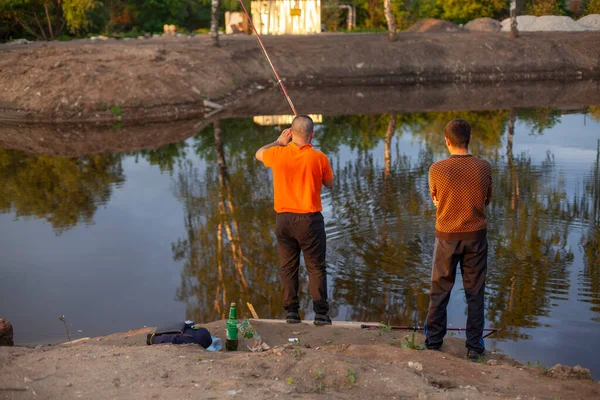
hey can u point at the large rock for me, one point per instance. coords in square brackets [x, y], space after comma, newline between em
[6, 333]
[484, 25]
[434, 25]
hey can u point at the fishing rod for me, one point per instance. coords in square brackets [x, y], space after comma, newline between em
[262, 46]
[420, 328]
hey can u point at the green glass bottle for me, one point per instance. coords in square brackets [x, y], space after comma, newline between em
[231, 343]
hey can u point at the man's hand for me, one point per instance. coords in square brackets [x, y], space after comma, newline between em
[285, 138]
[436, 202]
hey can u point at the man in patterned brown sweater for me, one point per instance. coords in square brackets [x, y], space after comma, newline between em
[461, 188]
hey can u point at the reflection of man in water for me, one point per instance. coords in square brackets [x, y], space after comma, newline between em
[299, 172]
[461, 188]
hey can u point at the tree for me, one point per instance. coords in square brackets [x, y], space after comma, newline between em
[462, 11]
[592, 7]
[513, 19]
[42, 19]
[546, 7]
[214, 22]
[390, 18]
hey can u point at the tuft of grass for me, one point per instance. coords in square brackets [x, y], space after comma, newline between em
[410, 344]
[116, 382]
[116, 110]
[537, 365]
[319, 385]
[497, 377]
[297, 353]
[384, 327]
[393, 342]
[320, 375]
[352, 377]
[200, 358]
[290, 381]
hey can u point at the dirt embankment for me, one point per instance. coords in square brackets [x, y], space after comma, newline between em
[71, 140]
[160, 78]
[340, 361]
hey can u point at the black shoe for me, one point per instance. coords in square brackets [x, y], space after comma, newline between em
[474, 355]
[322, 319]
[434, 348]
[293, 317]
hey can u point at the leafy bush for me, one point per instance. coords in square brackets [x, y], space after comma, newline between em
[592, 7]
[546, 7]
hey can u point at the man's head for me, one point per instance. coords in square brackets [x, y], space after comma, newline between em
[303, 129]
[458, 134]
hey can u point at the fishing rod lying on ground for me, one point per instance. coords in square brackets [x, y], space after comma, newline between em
[262, 46]
[420, 328]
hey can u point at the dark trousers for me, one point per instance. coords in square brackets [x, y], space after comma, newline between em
[306, 233]
[472, 256]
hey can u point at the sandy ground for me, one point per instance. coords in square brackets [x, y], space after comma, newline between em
[322, 365]
[169, 78]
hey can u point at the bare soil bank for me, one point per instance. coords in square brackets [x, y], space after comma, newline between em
[74, 139]
[169, 78]
[121, 366]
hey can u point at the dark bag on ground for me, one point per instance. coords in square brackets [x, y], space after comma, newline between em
[180, 333]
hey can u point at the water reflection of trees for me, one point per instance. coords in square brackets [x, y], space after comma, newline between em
[529, 224]
[229, 251]
[589, 278]
[63, 191]
[384, 246]
[380, 239]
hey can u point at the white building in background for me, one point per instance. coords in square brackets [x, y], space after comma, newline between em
[286, 17]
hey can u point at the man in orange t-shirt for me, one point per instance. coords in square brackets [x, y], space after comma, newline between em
[299, 172]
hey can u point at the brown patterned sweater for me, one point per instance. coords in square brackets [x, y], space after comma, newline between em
[463, 187]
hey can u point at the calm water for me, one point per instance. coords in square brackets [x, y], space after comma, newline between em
[119, 241]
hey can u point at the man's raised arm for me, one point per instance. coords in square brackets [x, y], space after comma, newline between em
[282, 140]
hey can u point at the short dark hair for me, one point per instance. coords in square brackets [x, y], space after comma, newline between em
[303, 124]
[458, 132]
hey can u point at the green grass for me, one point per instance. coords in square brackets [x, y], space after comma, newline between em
[116, 110]
[537, 365]
[410, 344]
[352, 377]
[319, 385]
[384, 327]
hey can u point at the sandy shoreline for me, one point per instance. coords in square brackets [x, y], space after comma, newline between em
[122, 366]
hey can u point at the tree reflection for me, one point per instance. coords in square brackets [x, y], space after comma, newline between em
[529, 223]
[63, 191]
[589, 279]
[229, 251]
[379, 236]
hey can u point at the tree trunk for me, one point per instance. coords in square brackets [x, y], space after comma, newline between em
[513, 19]
[214, 22]
[390, 18]
[50, 30]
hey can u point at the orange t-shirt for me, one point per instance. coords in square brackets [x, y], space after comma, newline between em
[298, 175]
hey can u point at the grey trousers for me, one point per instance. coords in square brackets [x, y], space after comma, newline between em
[472, 257]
